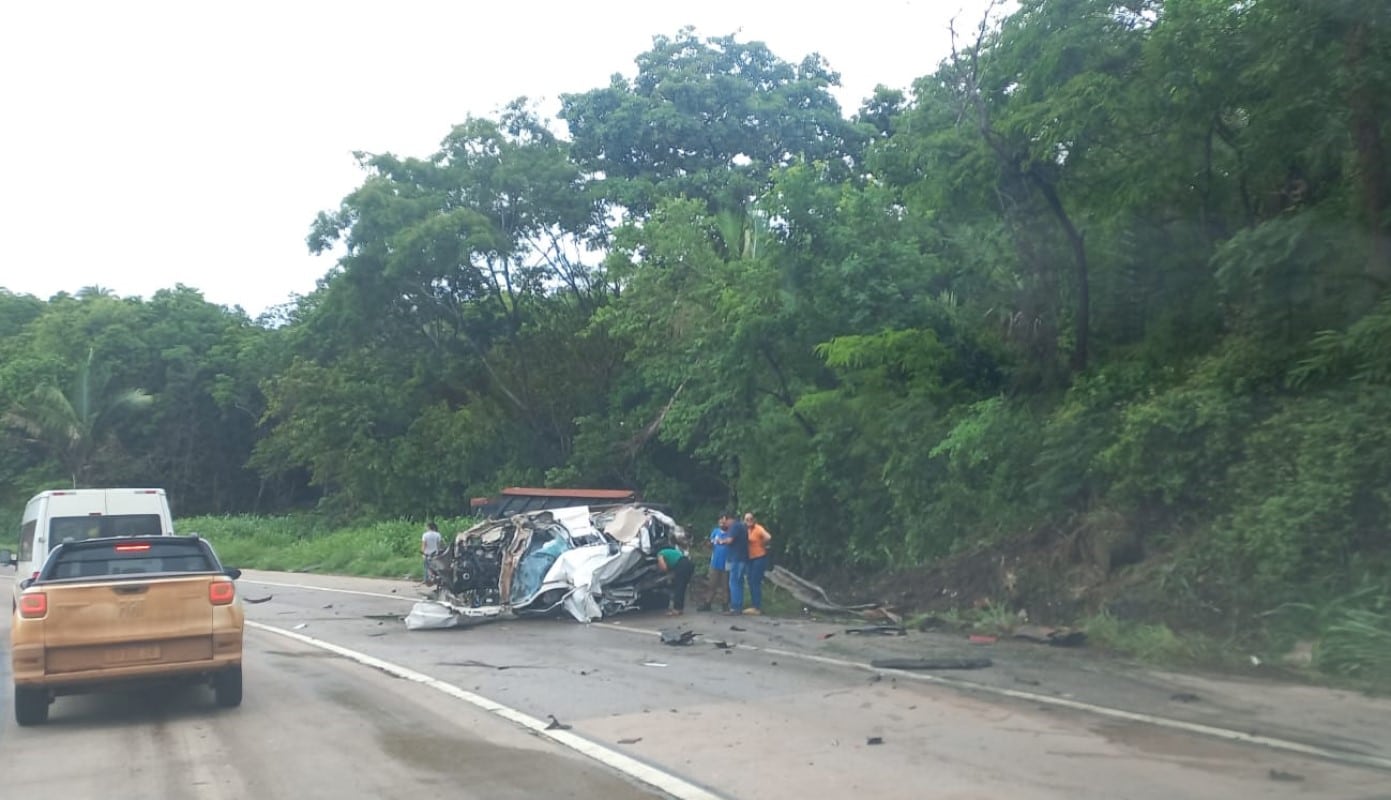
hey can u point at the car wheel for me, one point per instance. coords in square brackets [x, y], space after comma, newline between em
[30, 706]
[227, 687]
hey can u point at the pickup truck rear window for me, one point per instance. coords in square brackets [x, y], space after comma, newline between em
[119, 557]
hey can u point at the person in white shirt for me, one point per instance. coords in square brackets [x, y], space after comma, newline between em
[431, 544]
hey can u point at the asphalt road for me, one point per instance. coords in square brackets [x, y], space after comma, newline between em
[739, 723]
[312, 725]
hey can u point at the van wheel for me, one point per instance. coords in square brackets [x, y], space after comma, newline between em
[30, 706]
[227, 687]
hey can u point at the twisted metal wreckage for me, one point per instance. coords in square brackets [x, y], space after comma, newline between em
[590, 564]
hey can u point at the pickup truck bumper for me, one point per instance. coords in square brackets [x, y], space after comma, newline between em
[64, 670]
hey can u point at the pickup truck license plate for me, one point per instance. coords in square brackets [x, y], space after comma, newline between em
[129, 655]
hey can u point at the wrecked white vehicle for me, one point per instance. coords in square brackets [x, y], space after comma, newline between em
[571, 560]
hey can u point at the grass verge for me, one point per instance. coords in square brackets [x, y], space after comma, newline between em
[388, 549]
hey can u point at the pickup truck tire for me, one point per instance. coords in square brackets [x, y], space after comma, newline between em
[30, 706]
[227, 687]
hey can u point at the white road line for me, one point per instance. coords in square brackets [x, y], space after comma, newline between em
[656, 778]
[1273, 743]
[1346, 757]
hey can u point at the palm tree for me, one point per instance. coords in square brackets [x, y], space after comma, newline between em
[75, 426]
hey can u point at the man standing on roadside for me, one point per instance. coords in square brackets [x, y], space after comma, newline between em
[717, 583]
[759, 537]
[430, 546]
[736, 539]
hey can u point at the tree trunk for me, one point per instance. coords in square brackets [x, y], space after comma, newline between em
[1082, 313]
[1371, 153]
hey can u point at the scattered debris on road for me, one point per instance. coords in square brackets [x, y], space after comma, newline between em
[556, 725]
[426, 616]
[485, 665]
[722, 645]
[1057, 637]
[880, 630]
[827, 635]
[301, 626]
[875, 740]
[737, 628]
[653, 664]
[678, 637]
[945, 662]
[254, 600]
[634, 740]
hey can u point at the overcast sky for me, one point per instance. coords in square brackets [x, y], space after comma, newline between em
[152, 144]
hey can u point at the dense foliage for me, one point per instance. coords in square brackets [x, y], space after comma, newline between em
[1118, 267]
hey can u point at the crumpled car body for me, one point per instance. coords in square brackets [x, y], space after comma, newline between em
[568, 560]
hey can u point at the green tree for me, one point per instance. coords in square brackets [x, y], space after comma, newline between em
[705, 118]
[77, 426]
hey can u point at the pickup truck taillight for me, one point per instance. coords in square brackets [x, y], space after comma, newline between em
[33, 605]
[220, 593]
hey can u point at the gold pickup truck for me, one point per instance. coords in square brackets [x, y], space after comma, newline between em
[117, 612]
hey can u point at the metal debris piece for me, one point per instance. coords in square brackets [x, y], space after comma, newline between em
[946, 662]
[653, 664]
[815, 598]
[431, 616]
[678, 637]
[1047, 634]
[722, 645]
[737, 628]
[556, 725]
[875, 740]
[634, 740]
[257, 599]
[302, 626]
[881, 630]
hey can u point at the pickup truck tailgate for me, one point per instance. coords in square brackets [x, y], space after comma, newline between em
[91, 626]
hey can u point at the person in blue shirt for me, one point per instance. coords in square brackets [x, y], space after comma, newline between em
[717, 584]
[736, 539]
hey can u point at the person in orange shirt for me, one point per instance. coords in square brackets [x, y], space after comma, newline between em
[759, 537]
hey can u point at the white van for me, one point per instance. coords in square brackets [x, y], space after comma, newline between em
[54, 517]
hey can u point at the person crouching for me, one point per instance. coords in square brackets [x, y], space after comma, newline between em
[679, 567]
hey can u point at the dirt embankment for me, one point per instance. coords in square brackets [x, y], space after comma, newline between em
[1054, 576]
